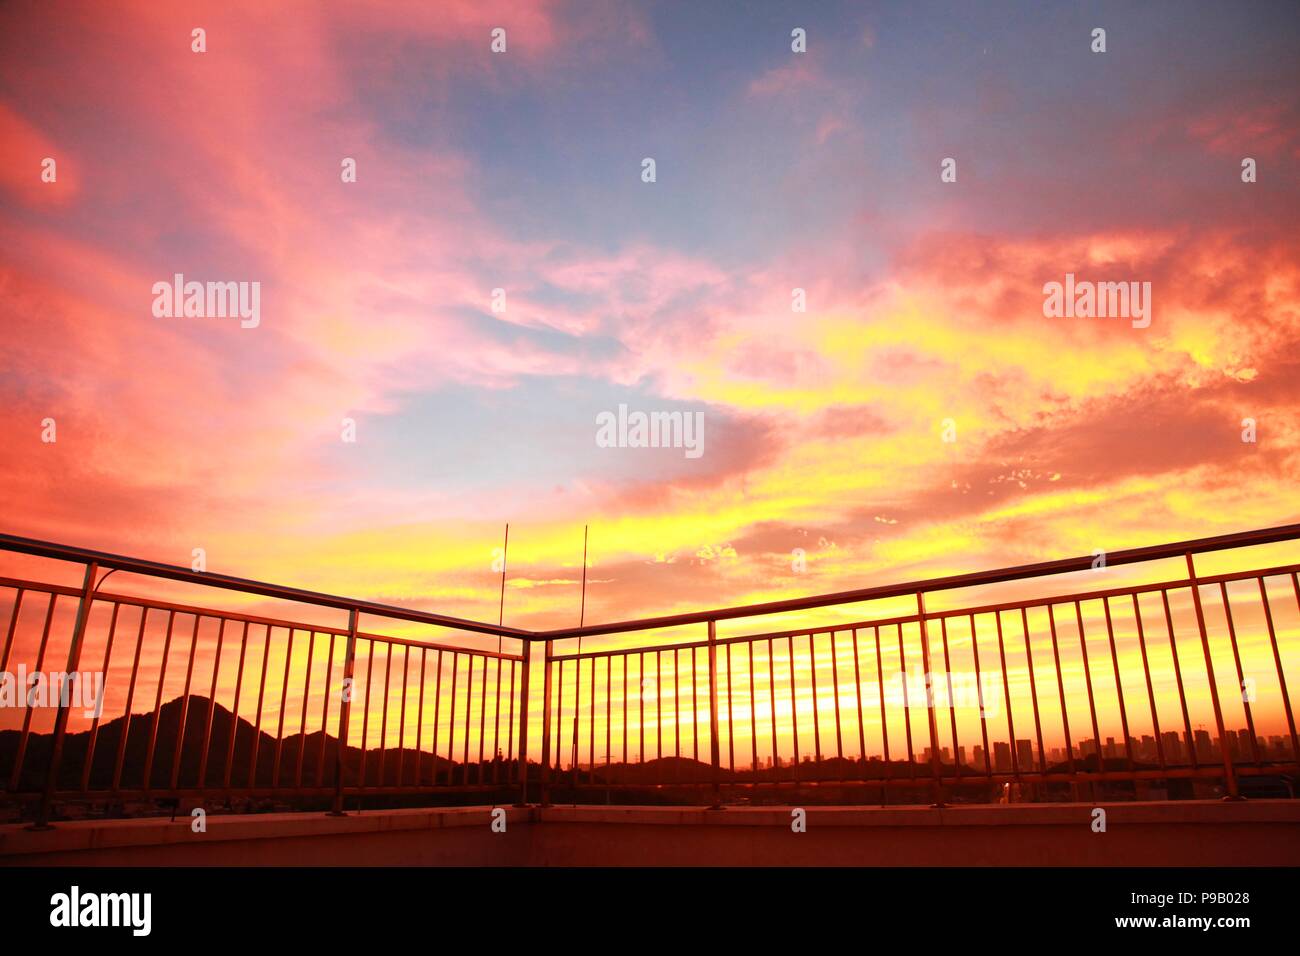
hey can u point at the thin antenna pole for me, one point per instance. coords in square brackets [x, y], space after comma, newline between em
[501, 610]
[582, 616]
[582, 610]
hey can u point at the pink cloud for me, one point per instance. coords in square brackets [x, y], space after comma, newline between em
[23, 151]
[798, 75]
[1262, 129]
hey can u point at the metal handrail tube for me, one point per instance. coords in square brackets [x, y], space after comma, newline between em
[172, 572]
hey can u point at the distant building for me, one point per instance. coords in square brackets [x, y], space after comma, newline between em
[1173, 747]
[1204, 749]
[1025, 754]
[1001, 756]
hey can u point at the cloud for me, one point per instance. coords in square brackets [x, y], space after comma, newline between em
[24, 151]
[799, 75]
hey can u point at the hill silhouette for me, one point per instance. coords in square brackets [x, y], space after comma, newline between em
[315, 752]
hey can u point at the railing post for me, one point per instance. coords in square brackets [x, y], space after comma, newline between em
[715, 746]
[546, 728]
[523, 725]
[61, 718]
[935, 764]
[1228, 771]
[345, 712]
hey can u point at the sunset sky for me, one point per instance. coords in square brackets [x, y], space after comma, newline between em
[823, 430]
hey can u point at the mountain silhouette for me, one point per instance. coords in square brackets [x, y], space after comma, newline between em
[315, 752]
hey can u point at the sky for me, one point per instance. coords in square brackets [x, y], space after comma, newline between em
[922, 416]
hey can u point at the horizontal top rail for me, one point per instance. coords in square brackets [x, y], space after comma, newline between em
[948, 613]
[1239, 539]
[1177, 549]
[47, 549]
[235, 617]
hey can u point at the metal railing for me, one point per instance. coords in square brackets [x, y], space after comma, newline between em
[876, 702]
[413, 715]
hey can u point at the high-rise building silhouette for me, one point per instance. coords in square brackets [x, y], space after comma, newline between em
[1204, 750]
[1025, 754]
[1173, 747]
[1001, 756]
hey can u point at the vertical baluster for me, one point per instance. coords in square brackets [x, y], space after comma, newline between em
[482, 721]
[884, 722]
[1087, 676]
[437, 715]
[857, 684]
[1146, 670]
[935, 766]
[715, 749]
[1229, 771]
[234, 715]
[306, 701]
[212, 707]
[185, 705]
[1060, 686]
[401, 716]
[383, 714]
[130, 698]
[1033, 692]
[1178, 678]
[794, 708]
[94, 724]
[345, 710]
[546, 725]
[419, 723]
[979, 690]
[817, 727]
[958, 766]
[1119, 684]
[907, 705]
[1006, 689]
[284, 697]
[1241, 677]
[257, 726]
[15, 779]
[324, 714]
[521, 763]
[835, 683]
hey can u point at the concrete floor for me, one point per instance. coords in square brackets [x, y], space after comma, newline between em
[1189, 833]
